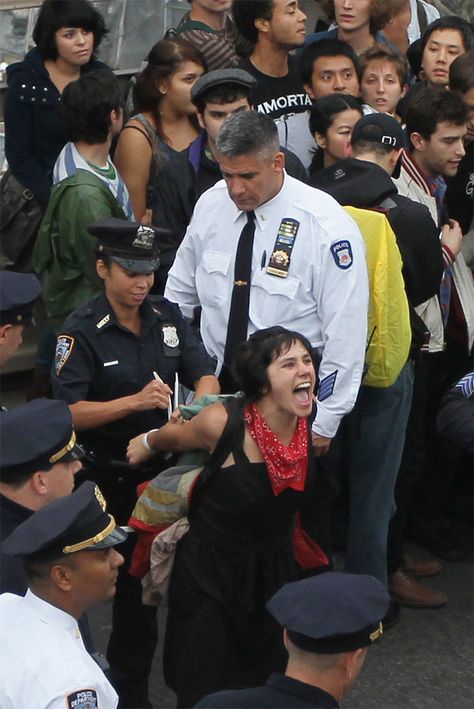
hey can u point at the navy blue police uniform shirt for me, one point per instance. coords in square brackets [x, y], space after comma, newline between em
[98, 359]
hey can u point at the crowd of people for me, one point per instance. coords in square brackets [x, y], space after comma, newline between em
[253, 280]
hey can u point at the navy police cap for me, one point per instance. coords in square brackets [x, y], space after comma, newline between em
[221, 76]
[18, 292]
[132, 245]
[331, 613]
[69, 524]
[35, 436]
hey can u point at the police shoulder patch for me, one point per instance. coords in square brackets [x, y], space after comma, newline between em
[342, 254]
[82, 699]
[64, 347]
[326, 386]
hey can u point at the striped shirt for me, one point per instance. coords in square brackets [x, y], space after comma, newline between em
[222, 49]
[70, 160]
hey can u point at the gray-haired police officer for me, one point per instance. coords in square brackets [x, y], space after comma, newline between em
[116, 361]
[68, 551]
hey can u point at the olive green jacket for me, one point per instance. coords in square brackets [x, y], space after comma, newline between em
[64, 251]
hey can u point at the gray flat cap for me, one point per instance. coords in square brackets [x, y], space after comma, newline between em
[222, 76]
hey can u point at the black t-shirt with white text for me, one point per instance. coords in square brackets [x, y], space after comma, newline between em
[277, 96]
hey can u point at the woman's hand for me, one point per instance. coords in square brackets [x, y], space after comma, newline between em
[154, 395]
[137, 452]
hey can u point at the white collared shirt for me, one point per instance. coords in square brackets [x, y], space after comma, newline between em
[43, 661]
[322, 298]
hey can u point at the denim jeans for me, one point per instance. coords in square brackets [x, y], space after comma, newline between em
[376, 436]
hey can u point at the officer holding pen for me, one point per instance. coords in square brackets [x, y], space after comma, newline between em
[117, 358]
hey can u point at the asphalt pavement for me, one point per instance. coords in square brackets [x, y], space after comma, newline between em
[425, 661]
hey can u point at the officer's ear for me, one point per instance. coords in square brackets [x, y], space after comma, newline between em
[278, 161]
[62, 577]
[38, 482]
[353, 662]
[4, 332]
[102, 269]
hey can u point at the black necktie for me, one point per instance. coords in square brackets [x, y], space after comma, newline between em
[239, 305]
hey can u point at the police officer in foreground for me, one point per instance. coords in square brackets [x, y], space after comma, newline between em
[34, 470]
[68, 551]
[329, 622]
[116, 361]
[18, 293]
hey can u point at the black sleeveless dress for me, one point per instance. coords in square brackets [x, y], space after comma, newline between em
[237, 553]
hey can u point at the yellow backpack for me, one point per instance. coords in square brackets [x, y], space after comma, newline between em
[389, 329]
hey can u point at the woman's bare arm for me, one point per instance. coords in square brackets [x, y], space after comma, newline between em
[200, 433]
[133, 161]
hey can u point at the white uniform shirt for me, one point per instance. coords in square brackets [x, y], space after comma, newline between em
[324, 297]
[43, 661]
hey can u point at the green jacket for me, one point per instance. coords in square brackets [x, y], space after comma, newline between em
[64, 250]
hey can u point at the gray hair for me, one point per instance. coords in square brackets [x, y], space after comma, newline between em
[248, 133]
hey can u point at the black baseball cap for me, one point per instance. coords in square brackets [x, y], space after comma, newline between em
[379, 128]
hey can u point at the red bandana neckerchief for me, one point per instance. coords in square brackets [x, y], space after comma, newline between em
[286, 465]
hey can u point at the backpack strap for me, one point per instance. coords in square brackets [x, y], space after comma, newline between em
[422, 19]
[234, 426]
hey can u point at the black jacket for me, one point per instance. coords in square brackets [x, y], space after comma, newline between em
[180, 183]
[363, 184]
[12, 573]
[460, 192]
[34, 134]
[280, 692]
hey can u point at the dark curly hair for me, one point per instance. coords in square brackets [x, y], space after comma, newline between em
[55, 14]
[86, 106]
[252, 358]
[245, 12]
[432, 105]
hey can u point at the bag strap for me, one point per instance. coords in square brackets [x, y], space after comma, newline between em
[422, 19]
[142, 131]
[225, 443]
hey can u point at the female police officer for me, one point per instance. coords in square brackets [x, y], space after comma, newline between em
[108, 357]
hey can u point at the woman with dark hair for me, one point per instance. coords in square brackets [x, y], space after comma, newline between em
[67, 34]
[331, 121]
[165, 121]
[239, 549]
